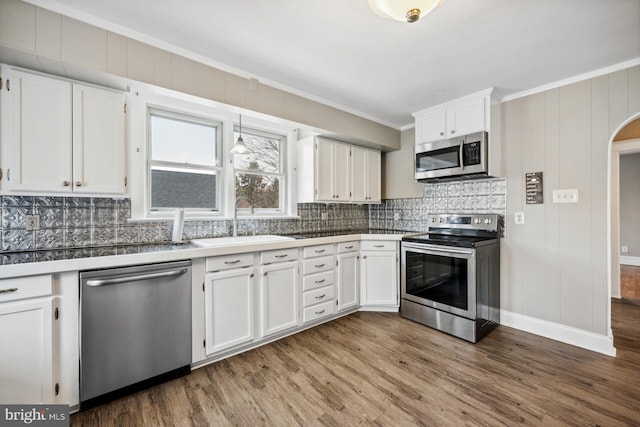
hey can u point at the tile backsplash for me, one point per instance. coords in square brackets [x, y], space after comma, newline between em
[81, 222]
[474, 196]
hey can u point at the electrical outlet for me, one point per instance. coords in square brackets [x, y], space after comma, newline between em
[625, 249]
[324, 216]
[396, 216]
[519, 217]
[32, 222]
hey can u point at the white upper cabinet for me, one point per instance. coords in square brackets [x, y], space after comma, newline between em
[332, 171]
[62, 137]
[98, 141]
[365, 175]
[458, 117]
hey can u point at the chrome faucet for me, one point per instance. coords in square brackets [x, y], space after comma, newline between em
[235, 213]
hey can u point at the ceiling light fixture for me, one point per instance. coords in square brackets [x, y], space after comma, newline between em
[239, 146]
[403, 10]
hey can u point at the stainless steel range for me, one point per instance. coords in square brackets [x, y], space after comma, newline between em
[450, 276]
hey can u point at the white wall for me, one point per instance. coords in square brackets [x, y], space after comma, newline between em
[630, 203]
[555, 265]
[398, 170]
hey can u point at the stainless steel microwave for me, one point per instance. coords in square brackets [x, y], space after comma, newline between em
[460, 157]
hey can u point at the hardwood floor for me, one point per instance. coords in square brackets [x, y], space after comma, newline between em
[630, 282]
[381, 369]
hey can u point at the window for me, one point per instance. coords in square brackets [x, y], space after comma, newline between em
[260, 175]
[184, 166]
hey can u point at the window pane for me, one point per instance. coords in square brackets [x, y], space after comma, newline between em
[183, 189]
[263, 191]
[180, 141]
[264, 153]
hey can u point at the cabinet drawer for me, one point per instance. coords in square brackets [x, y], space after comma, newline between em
[378, 245]
[318, 250]
[227, 262]
[316, 265]
[317, 280]
[270, 257]
[348, 247]
[25, 287]
[318, 311]
[318, 296]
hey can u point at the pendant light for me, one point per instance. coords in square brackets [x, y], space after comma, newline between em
[239, 146]
[403, 10]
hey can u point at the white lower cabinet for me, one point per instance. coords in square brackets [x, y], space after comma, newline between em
[228, 309]
[279, 297]
[379, 274]
[348, 274]
[318, 282]
[27, 339]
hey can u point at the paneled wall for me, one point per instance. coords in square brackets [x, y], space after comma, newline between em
[37, 38]
[554, 267]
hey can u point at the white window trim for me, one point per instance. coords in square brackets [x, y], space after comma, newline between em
[143, 97]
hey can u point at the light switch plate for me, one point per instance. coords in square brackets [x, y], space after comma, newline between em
[565, 196]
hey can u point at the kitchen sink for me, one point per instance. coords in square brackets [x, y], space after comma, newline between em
[238, 240]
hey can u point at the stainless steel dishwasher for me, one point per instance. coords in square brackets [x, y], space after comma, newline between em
[135, 328]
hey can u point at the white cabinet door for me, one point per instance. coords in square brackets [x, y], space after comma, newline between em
[40, 154]
[279, 297]
[98, 141]
[431, 126]
[341, 173]
[374, 176]
[228, 309]
[379, 278]
[359, 178]
[324, 168]
[466, 117]
[26, 351]
[348, 283]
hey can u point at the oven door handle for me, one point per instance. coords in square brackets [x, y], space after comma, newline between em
[440, 249]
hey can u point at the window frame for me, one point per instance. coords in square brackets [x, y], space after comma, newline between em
[217, 169]
[143, 97]
[281, 174]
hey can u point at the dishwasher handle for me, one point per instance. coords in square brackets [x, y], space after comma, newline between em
[148, 276]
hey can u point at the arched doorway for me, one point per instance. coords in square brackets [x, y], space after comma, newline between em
[625, 139]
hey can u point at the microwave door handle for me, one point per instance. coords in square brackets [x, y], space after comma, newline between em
[460, 154]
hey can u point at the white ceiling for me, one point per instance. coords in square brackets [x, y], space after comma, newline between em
[341, 53]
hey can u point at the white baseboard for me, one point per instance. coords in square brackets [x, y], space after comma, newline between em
[555, 331]
[630, 260]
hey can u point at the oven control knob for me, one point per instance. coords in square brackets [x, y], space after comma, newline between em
[441, 220]
[433, 219]
[477, 221]
[487, 221]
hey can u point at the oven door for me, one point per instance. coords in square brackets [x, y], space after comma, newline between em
[441, 277]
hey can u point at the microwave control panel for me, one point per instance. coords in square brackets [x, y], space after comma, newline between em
[471, 154]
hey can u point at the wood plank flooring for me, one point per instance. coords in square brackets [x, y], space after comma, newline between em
[630, 282]
[381, 369]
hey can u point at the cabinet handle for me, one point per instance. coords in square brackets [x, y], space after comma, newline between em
[320, 312]
[78, 184]
[441, 133]
[282, 256]
[232, 262]
[4, 291]
[453, 131]
[66, 183]
[320, 265]
[321, 296]
[349, 247]
[320, 281]
[319, 251]
[378, 246]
